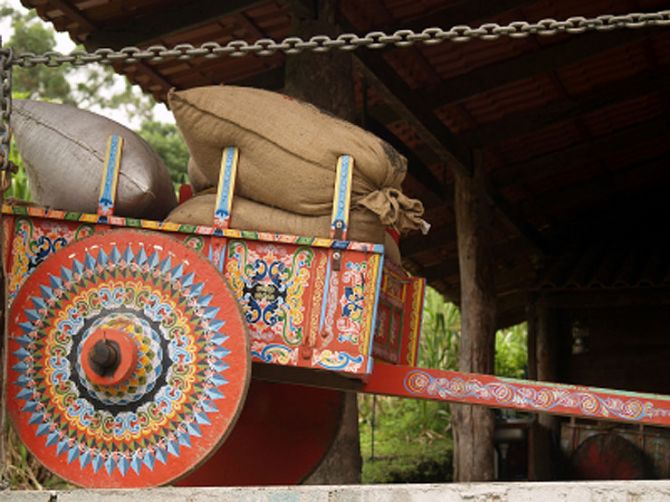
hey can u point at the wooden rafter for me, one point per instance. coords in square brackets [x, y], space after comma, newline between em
[535, 62]
[151, 27]
[535, 119]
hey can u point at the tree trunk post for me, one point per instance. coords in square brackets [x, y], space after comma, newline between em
[474, 426]
[326, 80]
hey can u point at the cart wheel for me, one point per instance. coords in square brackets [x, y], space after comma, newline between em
[283, 434]
[128, 360]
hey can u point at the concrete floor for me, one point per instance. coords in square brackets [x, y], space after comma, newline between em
[611, 491]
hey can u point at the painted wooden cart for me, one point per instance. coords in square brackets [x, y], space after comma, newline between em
[131, 343]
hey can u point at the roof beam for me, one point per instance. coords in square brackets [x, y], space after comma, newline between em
[536, 119]
[465, 11]
[533, 62]
[151, 27]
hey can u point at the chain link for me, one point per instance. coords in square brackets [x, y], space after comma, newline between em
[350, 41]
[6, 56]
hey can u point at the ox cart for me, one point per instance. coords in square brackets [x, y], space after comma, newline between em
[131, 344]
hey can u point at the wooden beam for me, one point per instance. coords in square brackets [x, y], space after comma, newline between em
[464, 12]
[150, 27]
[536, 119]
[534, 62]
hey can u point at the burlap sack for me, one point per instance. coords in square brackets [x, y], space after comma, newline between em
[288, 149]
[250, 215]
[63, 149]
[198, 181]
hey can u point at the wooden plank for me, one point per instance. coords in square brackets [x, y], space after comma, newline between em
[535, 119]
[548, 58]
[151, 27]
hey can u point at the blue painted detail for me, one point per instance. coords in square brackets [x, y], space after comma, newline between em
[141, 257]
[35, 418]
[30, 406]
[115, 256]
[204, 301]
[210, 312]
[66, 274]
[196, 289]
[55, 281]
[103, 259]
[123, 465]
[136, 463]
[39, 303]
[78, 267]
[150, 460]
[62, 446]
[25, 394]
[72, 454]
[89, 261]
[341, 195]
[128, 255]
[343, 359]
[214, 393]
[184, 440]
[98, 460]
[173, 447]
[154, 259]
[218, 338]
[218, 380]
[373, 325]
[219, 365]
[209, 407]
[107, 195]
[20, 367]
[216, 325]
[166, 265]
[324, 300]
[178, 271]
[193, 429]
[187, 280]
[21, 353]
[42, 429]
[202, 418]
[85, 458]
[47, 292]
[52, 439]
[27, 327]
[110, 464]
[161, 455]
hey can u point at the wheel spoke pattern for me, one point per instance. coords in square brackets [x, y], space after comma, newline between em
[188, 383]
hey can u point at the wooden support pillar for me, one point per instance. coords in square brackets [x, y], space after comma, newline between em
[474, 426]
[326, 80]
[543, 365]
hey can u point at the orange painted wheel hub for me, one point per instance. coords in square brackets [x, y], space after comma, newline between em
[109, 356]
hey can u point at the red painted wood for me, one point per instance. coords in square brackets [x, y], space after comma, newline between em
[191, 376]
[487, 390]
[282, 435]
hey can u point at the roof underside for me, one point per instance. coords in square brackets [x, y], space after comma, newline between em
[573, 128]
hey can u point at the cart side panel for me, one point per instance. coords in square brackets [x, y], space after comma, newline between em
[299, 308]
[399, 317]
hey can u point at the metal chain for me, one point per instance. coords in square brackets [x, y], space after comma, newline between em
[349, 41]
[6, 56]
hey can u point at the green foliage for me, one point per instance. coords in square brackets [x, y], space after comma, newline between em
[168, 143]
[32, 35]
[412, 438]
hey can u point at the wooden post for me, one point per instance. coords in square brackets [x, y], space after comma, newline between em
[326, 80]
[474, 426]
[546, 427]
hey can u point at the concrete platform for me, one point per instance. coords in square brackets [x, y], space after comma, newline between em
[611, 491]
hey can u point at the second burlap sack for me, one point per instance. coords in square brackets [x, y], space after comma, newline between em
[249, 215]
[289, 152]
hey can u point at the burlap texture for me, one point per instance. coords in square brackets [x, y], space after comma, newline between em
[64, 151]
[250, 215]
[198, 181]
[288, 149]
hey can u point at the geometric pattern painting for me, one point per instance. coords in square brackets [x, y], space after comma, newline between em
[185, 331]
